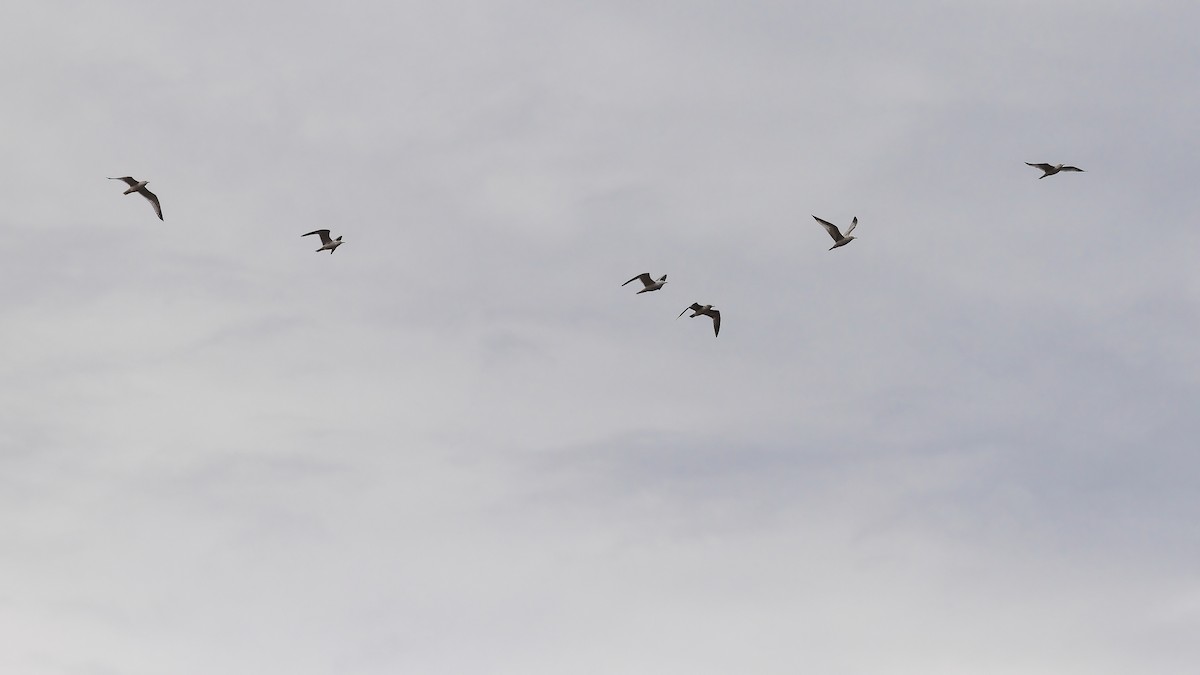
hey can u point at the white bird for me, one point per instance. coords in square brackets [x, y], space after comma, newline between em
[327, 244]
[139, 186]
[839, 239]
[698, 309]
[650, 284]
[1051, 169]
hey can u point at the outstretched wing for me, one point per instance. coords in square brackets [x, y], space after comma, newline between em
[831, 229]
[644, 276]
[853, 224]
[695, 306]
[1071, 168]
[129, 180]
[323, 233]
[153, 199]
[1043, 167]
[716, 317]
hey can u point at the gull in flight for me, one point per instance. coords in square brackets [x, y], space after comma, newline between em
[650, 284]
[139, 186]
[698, 309]
[327, 244]
[1051, 169]
[839, 239]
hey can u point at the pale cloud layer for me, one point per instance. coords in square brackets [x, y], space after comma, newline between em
[964, 443]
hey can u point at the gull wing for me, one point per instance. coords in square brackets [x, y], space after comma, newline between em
[644, 276]
[831, 229]
[1043, 167]
[153, 199]
[695, 307]
[1071, 168]
[129, 180]
[323, 233]
[853, 224]
[716, 317]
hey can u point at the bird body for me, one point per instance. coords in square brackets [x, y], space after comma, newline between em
[139, 186]
[327, 244]
[649, 283]
[707, 310]
[1051, 169]
[839, 239]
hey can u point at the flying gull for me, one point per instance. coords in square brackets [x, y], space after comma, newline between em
[327, 244]
[839, 239]
[650, 284]
[139, 186]
[698, 309]
[1051, 169]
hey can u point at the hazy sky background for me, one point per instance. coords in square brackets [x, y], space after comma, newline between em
[966, 443]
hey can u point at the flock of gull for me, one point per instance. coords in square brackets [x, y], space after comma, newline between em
[839, 239]
[649, 283]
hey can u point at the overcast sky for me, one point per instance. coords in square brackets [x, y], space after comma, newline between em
[966, 443]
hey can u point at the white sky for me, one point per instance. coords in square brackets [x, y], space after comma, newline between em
[966, 443]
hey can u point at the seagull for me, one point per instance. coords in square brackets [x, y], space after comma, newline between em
[650, 284]
[327, 244]
[139, 186]
[698, 309]
[1051, 169]
[839, 239]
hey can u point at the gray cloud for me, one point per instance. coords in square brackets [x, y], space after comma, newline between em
[963, 443]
